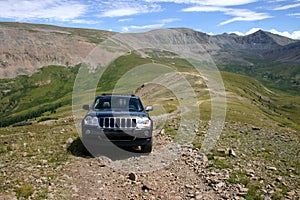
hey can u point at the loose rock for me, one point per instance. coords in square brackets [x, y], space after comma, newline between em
[132, 176]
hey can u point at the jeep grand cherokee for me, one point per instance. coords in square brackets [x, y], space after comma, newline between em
[120, 120]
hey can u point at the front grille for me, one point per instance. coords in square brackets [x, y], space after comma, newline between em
[117, 122]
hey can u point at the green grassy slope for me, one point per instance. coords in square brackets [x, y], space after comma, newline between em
[249, 100]
[50, 88]
[27, 97]
[278, 76]
[261, 124]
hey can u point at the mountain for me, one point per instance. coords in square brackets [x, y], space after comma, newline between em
[26, 47]
[289, 53]
[237, 49]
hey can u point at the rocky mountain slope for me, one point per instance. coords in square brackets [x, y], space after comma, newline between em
[234, 49]
[27, 47]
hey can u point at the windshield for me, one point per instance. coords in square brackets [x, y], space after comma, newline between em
[118, 104]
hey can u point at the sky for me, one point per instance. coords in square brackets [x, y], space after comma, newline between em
[209, 16]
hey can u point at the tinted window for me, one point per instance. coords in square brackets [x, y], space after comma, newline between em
[118, 103]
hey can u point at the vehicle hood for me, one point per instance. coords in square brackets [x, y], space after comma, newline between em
[117, 114]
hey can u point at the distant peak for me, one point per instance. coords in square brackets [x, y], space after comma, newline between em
[271, 37]
[259, 32]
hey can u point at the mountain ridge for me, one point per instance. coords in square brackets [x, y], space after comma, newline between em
[24, 48]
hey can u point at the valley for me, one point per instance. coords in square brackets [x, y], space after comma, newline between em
[256, 155]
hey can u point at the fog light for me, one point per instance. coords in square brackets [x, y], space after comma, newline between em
[87, 132]
[147, 133]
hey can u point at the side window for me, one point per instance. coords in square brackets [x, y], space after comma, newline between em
[134, 104]
[102, 104]
[97, 104]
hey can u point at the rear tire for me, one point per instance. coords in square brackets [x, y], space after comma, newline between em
[147, 148]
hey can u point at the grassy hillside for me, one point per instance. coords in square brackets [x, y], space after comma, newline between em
[279, 76]
[29, 97]
[261, 125]
[249, 98]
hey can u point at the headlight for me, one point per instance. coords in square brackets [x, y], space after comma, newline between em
[92, 121]
[143, 122]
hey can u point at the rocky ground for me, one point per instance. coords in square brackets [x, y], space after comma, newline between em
[236, 169]
[171, 171]
[185, 177]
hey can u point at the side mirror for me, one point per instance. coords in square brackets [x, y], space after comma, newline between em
[86, 107]
[149, 108]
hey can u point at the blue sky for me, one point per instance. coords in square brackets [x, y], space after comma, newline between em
[209, 16]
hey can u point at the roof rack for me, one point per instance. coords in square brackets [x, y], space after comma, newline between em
[104, 94]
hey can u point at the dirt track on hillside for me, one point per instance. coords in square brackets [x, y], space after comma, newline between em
[171, 171]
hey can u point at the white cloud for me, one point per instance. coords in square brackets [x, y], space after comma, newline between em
[169, 20]
[286, 7]
[294, 35]
[239, 14]
[125, 20]
[275, 1]
[36, 9]
[127, 8]
[151, 26]
[237, 33]
[294, 15]
[160, 24]
[204, 9]
[244, 15]
[83, 21]
[206, 2]
[141, 28]
[252, 30]
[122, 12]
[226, 2]
[125, 29]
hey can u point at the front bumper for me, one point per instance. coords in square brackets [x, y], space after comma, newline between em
[115, 136]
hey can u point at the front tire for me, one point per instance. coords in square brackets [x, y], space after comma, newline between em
[147, 148]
